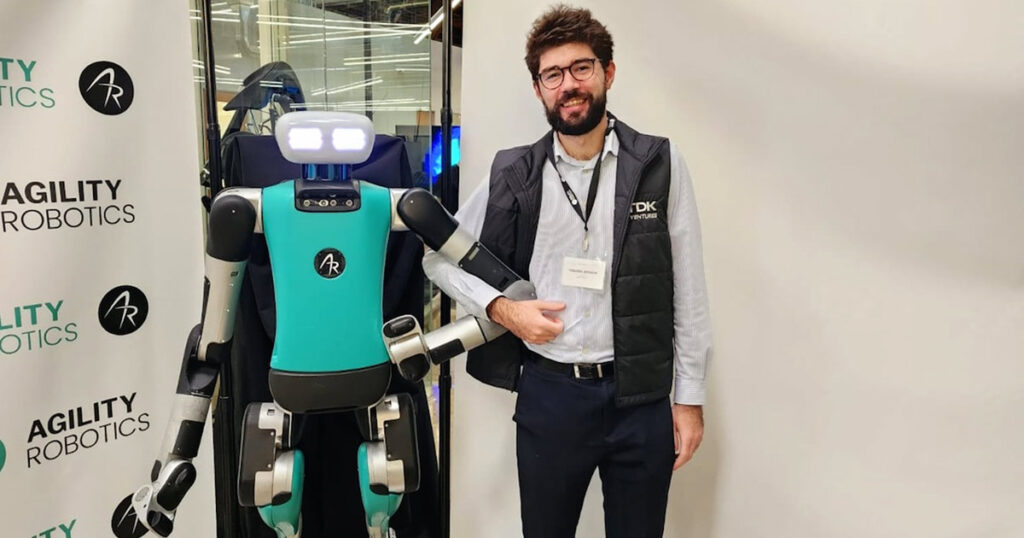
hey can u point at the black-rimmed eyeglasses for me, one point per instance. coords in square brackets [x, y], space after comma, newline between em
[582, 69]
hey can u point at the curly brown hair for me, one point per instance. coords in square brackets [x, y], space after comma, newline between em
[563, 24]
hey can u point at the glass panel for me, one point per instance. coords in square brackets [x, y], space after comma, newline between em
[378, 65]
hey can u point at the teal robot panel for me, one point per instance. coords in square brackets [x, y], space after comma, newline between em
[328, 281]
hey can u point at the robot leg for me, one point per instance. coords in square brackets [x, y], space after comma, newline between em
[388, 462]
[285, 519]
[271, 471]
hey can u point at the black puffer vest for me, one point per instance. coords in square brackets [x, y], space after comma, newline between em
[642, 315]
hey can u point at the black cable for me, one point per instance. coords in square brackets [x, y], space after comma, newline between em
[224, 460]
[212, 125]
[449, 200]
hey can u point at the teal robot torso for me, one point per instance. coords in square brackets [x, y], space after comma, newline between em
[328, 281]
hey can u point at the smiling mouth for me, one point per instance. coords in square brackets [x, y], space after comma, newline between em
[575, 101]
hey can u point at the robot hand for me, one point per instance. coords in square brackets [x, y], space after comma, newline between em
[152, 507]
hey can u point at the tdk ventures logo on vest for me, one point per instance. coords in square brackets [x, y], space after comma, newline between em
[123, 310]
[83, 428]
[34, 326]
[329, 263]
[643, 210]
[107, 88]
[18, 89]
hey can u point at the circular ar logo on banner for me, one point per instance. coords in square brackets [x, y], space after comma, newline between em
[123, 310]
[329, 263]
[3, 455]
[107, 88]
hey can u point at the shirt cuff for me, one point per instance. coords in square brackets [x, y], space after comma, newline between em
[690, 392]
[481, 298]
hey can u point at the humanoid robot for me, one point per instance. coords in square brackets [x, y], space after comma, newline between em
[326, 234]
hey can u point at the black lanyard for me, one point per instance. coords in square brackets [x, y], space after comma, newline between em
[592, 192]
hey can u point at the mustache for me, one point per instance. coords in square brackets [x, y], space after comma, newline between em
[575, 94]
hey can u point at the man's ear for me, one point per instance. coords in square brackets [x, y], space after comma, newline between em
[609, 75]
[536, 91]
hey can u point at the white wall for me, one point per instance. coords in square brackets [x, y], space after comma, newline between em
[858, 174]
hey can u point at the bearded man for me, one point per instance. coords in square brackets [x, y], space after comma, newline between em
[602, 220]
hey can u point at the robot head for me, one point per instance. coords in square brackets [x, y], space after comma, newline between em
[315, 137]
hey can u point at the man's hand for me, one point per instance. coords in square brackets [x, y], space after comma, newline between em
[528, 320]
[688, 426]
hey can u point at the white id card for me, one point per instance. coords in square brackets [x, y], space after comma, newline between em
[583, 273]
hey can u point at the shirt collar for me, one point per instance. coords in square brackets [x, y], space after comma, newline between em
[611, 147]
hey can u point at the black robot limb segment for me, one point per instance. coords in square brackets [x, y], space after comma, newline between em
[153, 506]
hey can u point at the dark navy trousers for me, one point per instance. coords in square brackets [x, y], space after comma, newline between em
[566, 429]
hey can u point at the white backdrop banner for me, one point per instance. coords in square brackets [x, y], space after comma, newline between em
[100, 258]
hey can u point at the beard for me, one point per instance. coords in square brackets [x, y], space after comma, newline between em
[577, 125]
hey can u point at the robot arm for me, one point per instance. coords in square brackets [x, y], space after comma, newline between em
[233, 220]
[426, 217]
[412, 350]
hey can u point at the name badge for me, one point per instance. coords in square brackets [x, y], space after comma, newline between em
[583, 273]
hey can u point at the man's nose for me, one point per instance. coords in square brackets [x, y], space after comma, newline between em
[569, 82]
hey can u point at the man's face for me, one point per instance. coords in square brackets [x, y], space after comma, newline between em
[575, 107]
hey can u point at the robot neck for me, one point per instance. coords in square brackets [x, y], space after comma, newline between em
[326, 172]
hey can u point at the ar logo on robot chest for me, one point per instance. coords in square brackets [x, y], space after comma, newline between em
[107, 88]
[123, 310]
[329, 263]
